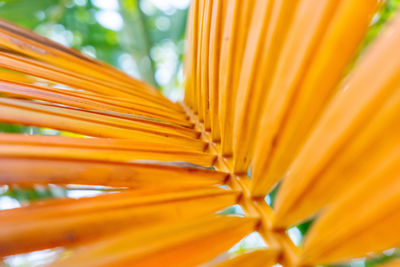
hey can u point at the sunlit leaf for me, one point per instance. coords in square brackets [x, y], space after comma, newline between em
[176, 245]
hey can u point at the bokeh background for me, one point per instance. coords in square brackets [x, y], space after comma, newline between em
[144, 38]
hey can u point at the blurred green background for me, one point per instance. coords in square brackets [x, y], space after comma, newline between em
[144, 38]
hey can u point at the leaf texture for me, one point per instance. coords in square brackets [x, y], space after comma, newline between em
[271, 96]
[69, 221]
[350, 110]
[235, 32]
[97, 149]
[89, 123]
[310, 93]
[92, 102]
[264, 41]
[347, 234]
[167, 246]
[32, 170]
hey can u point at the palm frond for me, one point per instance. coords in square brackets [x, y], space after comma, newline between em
[275, 94]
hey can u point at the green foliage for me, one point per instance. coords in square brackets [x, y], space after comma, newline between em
[271, 196]
[12, 128]
[305, 226]
[148, 44]
[387, 256]
[31, 194]
[387, 11]
[17, 11]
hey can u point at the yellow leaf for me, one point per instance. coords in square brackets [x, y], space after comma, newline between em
[362, 155]
[203, 64]
[344, 32]
[217, 25]
[14, 145]
[191, 54]
[265, 94]
[365, 219]
[264, 40]
[29, 171]
[91, 123]
[67, 222]
[46, 71]
[91, 102]
[374, 80]
[234, 34]
[177, 245]
[308, 24]
[16, 76]
[28, 43]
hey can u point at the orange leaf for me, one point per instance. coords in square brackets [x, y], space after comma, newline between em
[28, 171]
[177, 245]
[67, 222]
